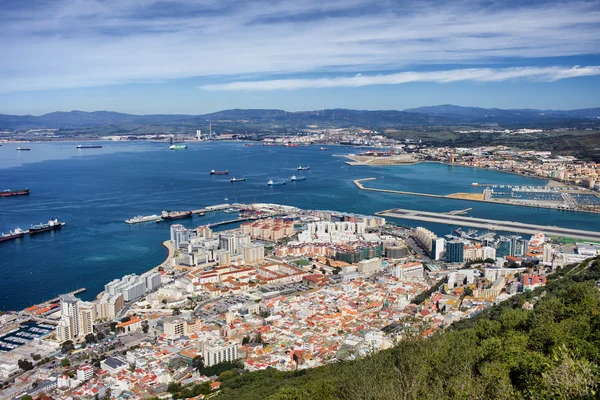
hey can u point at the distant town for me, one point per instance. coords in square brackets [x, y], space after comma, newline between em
[288, 289]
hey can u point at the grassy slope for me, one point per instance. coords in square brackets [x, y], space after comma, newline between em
[506, 352]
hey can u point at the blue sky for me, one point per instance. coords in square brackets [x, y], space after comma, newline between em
[147, 56]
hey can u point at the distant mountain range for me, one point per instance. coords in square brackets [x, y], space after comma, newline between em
[266, 119]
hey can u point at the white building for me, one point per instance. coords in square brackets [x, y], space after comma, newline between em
[369, 266]
[408, 271]
[217, 351]
[85, 372]
[253, 253]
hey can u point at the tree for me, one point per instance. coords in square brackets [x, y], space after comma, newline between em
[198, 363]
[90, 338]
[67, 346]
[145, 328]
[164, 301]
[100, 336]
[245, 340]
[468, 291]
[113, 326]
[36, 357]
[125, 319]
[26, 397]
[176, 311]
[258, 338]
[25, 365]
[328, 263]
[65, 362]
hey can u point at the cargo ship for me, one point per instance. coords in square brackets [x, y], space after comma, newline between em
[17, 233]
[177, 147]
[213, 172]
[271, 182]
[233, 180]
[295, 178]
[301, 168]
[9, 192]
[140, 218]
[52, 225]
[89, 146]
[23, 149]
[169, 215]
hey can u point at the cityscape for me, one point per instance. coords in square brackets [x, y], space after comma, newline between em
[299, 200]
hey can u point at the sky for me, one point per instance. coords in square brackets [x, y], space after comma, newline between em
[194, 57]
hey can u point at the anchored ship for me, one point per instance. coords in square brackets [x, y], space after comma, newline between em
[213, 172]
[89, 146]
[17, 233]
[271, 182]
[140, 218]
[53, 224]
[169, 215]
[297, 178]
[301, 168]
[237, 180]
[9, 192]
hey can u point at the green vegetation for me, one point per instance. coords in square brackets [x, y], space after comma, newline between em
[217, 369]
[183, 392]
[506, 352]
[425, 295]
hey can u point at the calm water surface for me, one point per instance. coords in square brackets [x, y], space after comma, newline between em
[95, 190]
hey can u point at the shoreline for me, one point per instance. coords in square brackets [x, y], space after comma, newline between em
[171, 253]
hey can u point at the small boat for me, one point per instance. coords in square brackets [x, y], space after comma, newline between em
[291, 145]
[295, 178]
[301, 168]
[271, 182]
[232, 180]
[249, 144]
[23, 149]
[324, 148]
[202, 214]
[213, 172]
[177, 147]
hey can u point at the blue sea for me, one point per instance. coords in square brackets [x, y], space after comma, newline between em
[95, 190]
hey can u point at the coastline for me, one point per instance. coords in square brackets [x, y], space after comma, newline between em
[171, 253]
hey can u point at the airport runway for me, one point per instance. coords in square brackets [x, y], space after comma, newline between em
[490, 224]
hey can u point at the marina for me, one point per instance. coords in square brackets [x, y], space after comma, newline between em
[24, 334]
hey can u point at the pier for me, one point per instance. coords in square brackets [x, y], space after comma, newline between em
[74, 293]
[489, 224]
[358, 183]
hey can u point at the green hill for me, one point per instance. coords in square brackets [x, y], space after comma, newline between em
[507, 352]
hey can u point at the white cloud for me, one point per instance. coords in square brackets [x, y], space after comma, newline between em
[79, 43]
[547, 74]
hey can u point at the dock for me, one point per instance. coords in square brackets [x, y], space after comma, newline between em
[489, 224]
[74, 293]
[218, 207]
[358, 183]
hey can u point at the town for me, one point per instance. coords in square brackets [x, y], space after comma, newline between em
[288, 289]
